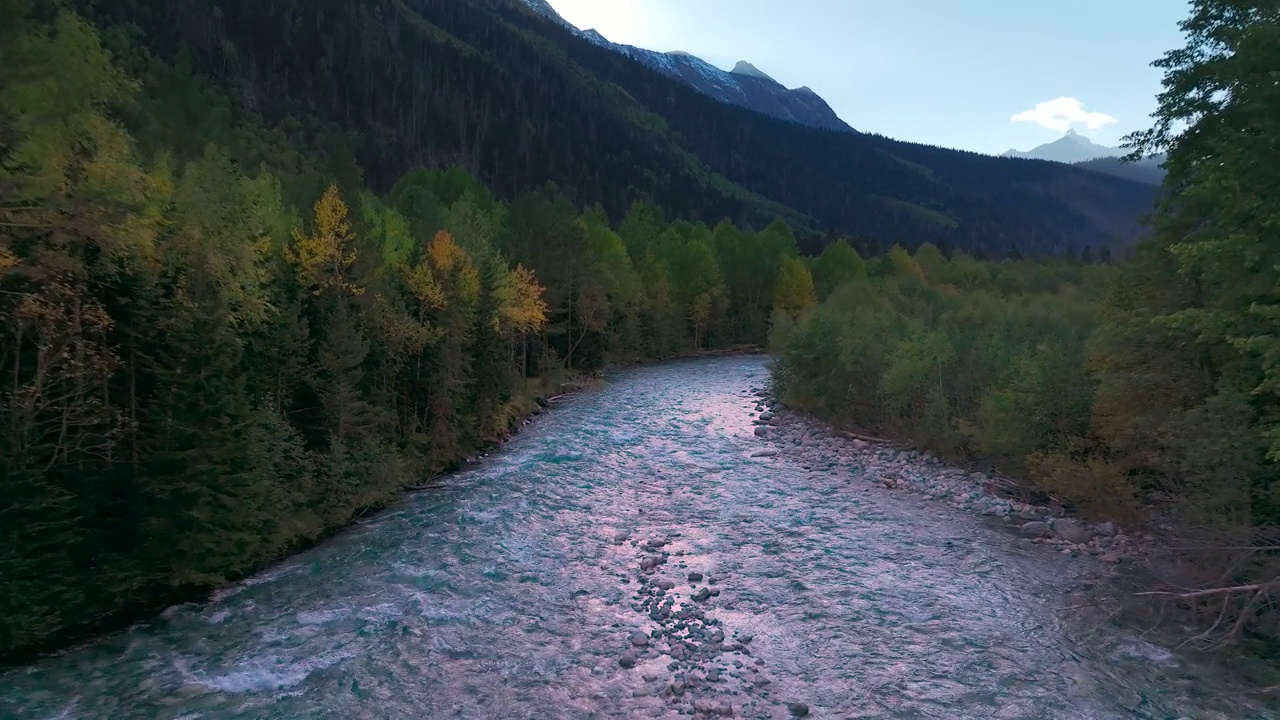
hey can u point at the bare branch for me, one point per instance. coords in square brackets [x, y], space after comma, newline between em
[1238, 589]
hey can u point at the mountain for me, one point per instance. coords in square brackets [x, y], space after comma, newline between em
[1148, 170]
[744, 85]
[381, 87]
[1070, 148]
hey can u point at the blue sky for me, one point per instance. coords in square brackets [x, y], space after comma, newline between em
[943, 72]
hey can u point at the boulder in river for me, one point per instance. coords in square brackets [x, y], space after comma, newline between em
[762, 431]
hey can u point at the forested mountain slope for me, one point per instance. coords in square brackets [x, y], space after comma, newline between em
[518, 100]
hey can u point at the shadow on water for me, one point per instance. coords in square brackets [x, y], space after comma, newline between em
[516, 593]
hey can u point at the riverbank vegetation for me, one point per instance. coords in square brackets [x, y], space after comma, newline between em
[219, 341]
[1151, 389]
[218, 344]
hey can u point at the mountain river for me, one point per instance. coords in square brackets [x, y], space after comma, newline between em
[627, 556]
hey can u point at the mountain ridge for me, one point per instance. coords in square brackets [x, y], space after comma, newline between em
[383, 87]
[1079, 151]
[744, 85]
[1070, 148]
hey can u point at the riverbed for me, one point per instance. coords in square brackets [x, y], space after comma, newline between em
[629, 555]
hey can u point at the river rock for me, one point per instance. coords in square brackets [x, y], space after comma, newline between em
[711, 707]
[764, 453]
[666, 584]
[798, 709]
[1036, 528]
[766, 416]
[695, 577]
[627, 660]
[1071, 531]
[762, 431]
[1106, 529]
[639, 639]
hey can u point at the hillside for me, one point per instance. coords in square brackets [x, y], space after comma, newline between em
[1149, 170]
[390, 85]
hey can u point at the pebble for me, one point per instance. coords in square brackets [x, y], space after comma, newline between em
[695, 577]
[798, 709]
[627, 660]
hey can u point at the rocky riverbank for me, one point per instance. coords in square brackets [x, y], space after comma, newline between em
[818, 446]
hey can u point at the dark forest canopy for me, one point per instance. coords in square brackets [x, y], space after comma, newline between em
[219, 345]
[263, 265]
[518, 101]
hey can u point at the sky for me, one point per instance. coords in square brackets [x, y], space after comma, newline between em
[981, 75]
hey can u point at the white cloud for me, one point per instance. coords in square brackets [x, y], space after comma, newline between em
[1062, 113]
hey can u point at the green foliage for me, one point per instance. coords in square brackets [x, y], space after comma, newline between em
[839, 263]
[1160, 385]
[958, 358]
[215, 351]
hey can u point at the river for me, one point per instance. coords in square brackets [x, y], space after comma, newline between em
[517, 592]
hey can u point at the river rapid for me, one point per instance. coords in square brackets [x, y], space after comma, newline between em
[627, 556]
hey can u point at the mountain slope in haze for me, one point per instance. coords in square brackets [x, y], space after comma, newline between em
[1149, 171]
[1070, 148]
[383, 86]
[1080, 151]
[744, 85]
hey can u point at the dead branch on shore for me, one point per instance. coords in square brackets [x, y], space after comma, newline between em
[868, 438]
[428, 484]
[1208, 592]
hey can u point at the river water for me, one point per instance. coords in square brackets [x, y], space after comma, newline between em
[516, 591]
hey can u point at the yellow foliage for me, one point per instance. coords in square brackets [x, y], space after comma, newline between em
[526, 311]
[7, 259]
[795, 290]
[903, 264]
[424, 286]
[445, 252]
[323, 258]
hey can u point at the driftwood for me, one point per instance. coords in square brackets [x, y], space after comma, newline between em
[1234, 590]
[868, 438]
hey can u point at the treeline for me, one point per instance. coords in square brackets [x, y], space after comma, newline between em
[517, 101]
[212, 353]
[1149, 392]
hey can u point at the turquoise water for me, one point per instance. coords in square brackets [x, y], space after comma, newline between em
[512, 593]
